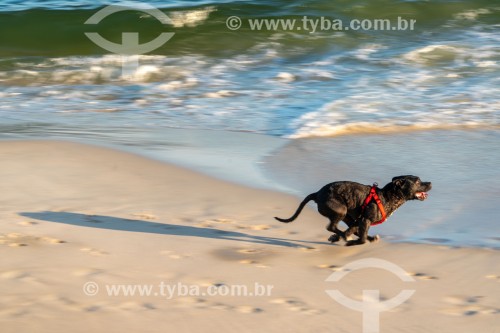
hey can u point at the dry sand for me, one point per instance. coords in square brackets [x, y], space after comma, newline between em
[73, 214]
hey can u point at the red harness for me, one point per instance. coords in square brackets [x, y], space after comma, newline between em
[373, 196]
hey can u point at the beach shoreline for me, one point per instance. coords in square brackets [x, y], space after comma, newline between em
[301, 166]
[74, 214]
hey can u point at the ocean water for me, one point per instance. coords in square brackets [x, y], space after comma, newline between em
[335, 105]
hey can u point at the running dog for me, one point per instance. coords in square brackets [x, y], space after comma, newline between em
[361, 206]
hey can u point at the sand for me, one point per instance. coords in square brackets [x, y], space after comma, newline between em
[77, 220]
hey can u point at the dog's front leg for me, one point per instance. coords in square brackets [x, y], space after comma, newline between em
[337, 233]
[373, 239]
[354, 231]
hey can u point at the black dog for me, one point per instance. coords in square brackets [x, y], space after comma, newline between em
[361, 206]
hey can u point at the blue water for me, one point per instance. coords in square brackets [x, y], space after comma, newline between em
[444, 74]
[335, 94]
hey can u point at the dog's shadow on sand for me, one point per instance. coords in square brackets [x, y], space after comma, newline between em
[140, 226]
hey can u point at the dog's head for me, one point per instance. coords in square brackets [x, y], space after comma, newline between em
[411, 187]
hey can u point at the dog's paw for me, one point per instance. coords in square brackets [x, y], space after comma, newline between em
[374, 239]
[334, 238]
[351, 243]
[354, 242]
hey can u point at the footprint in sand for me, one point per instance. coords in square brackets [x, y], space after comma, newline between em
[248, 255]
[248, 309]
[422, 276]
[223, 221]
[17, 244]
[259, 227]
[202, 303]
[174, 255]
[329, 267]
[288, 232]
[308, 249]
[252, 252]
[136, 306]
[245, 256]
[253, 262]
[296, 305]
[62, 302]
[467, 306]
[93, 252]
[88, 272]
[192, 302]
[248, 262]
[92, 308]
[255, 227]
[214, 223]
[14, 275]
[21, 240]
[28, 223]
[12, 240]
[21, 276]
[52, 240]
[222, 306]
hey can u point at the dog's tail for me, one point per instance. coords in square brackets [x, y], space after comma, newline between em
[310, 197]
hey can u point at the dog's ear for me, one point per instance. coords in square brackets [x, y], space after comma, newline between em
[398, 181]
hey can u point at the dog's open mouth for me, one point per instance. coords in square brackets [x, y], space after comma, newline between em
[421, 196]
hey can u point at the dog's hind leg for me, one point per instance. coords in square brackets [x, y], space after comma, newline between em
[352, 227]
[337, 233]
[335, 212]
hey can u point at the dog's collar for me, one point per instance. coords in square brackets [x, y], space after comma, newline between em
[374, 196]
